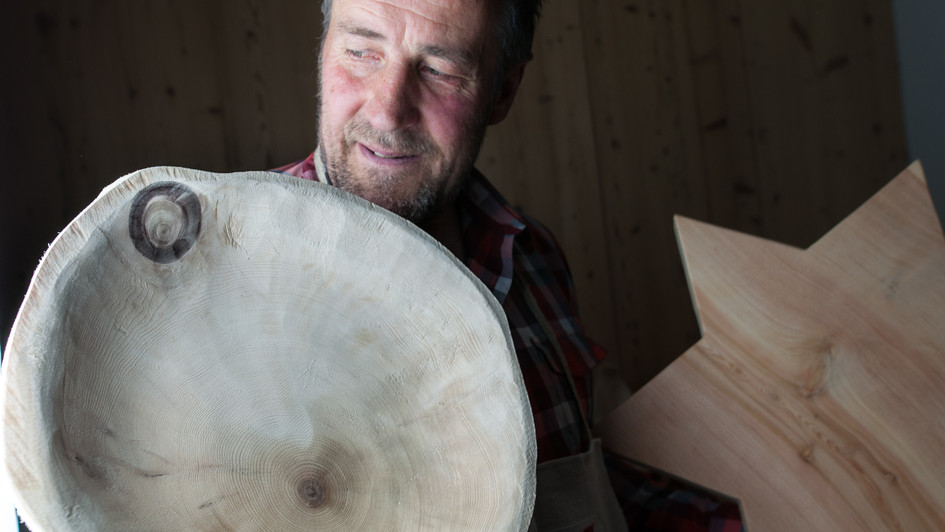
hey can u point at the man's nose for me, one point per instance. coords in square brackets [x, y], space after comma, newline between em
[392, 104]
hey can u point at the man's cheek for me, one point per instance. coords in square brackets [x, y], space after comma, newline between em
[340, 90]
[450, 118]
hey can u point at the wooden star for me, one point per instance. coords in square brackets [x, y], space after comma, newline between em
[817, 393]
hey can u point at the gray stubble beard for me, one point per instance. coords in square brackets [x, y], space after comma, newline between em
[434, 193]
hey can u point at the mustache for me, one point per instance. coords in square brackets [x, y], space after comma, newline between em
[402, 141]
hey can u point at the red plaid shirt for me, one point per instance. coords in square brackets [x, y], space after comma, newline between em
[502, 247]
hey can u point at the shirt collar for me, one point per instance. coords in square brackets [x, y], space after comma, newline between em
[319, 165]
[488, 205]
[310, 168]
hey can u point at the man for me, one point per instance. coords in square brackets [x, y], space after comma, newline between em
[407, 89]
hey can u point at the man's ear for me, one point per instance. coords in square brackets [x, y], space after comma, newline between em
[506, 93]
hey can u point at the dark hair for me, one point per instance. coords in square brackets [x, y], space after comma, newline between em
[516, 29]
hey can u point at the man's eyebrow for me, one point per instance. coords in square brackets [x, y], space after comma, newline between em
[352, 28]
[457, 56]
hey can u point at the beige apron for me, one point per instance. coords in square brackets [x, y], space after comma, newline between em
[573, 493]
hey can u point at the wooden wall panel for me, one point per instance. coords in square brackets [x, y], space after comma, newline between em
[774, 118]
[716, 54]
[647, 148]
[818, 124]
[94, 89]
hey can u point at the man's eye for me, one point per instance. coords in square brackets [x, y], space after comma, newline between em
[441, 77]
[357, 54]
[432, 71]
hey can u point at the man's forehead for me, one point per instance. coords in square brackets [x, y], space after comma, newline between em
[449, 14]
[454, 30]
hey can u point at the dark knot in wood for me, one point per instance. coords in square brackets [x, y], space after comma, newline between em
[164, 221]
[314, 492]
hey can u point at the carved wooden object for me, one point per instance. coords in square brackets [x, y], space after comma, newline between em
[202, 351]
[817, 393]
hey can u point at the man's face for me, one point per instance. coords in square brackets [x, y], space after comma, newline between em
[405, 97]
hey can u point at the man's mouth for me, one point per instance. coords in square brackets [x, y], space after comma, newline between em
[386, 155]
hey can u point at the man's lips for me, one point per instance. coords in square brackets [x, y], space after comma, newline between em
[385, 156]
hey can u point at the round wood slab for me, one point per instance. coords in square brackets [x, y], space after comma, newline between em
[251, 351]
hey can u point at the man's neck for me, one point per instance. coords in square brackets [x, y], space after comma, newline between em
[445, 228]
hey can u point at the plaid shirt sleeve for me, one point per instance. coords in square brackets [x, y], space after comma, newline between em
[560, 405]
[512, 254]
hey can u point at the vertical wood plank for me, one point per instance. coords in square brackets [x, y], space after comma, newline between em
[815, 112]
[715, 51]
[644, 120]
[260, 121]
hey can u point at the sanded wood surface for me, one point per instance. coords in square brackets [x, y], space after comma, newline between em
[817, 393]
[210, 352]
